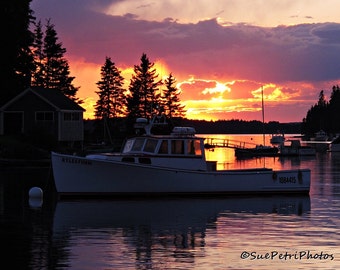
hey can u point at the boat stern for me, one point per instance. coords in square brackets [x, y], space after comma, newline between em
[298, 181]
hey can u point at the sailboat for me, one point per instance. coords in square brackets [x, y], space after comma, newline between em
[259, 150]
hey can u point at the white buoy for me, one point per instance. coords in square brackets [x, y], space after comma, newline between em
[35, 197]
[35, 192]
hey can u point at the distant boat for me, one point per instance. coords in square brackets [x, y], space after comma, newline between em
[277, 138]
[257, 151]
[171, 164]
[294, 148]
[260, 150]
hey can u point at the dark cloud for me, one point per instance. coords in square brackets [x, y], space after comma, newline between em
[307, 52]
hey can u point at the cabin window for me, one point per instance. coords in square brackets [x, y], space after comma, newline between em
[72, 116]
[137, 146]
[194, 147]
[144, 160]
[163, 149]
[44, 116]
[177, 147]
[150, 145]
[128, 159]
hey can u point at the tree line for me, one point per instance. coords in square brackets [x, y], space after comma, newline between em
[324, 115]
[145, 97]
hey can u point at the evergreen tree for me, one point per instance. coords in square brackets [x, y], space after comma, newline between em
[322, 103]
[316, 117]
[143, 99]
[321, 112]
[171, 101]
[38, 75]
[111, 102]
[16, 61]
[324, 115]
[334, 110]
[52, 68]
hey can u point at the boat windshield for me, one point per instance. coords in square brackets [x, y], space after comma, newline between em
[163, 149]
[133, 145]
[185, 146]
[150, 145]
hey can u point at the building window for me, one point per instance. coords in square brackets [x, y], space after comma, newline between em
[72, 116]
[44, 116]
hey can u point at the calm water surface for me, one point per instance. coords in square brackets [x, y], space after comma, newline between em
[175, 233]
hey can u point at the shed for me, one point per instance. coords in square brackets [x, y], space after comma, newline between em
[43, 111]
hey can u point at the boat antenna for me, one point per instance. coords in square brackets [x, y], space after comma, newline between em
[264, 139]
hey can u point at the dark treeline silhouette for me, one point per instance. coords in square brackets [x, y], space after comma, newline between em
[242, 127]
[95, 130]
[324, 115]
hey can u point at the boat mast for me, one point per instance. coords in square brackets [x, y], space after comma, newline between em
[264, 139]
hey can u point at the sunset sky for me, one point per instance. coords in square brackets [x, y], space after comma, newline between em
[220, 51]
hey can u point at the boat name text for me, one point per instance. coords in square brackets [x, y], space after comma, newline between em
[285, 179]
[76, 161]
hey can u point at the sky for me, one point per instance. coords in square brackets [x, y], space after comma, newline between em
[223, 53]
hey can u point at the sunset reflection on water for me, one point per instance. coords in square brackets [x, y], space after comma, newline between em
[228, 232]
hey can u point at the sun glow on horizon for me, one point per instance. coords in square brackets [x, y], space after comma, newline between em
[204, 99]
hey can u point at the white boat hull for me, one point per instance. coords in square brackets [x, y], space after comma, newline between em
[79, 176]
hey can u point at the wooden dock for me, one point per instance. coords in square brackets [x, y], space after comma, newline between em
[219, 142]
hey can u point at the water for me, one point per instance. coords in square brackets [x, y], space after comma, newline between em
[175, 233]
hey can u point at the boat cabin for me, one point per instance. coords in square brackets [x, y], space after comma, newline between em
[181, 150]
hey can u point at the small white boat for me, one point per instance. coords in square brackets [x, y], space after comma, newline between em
[294, 148]
[166, 164]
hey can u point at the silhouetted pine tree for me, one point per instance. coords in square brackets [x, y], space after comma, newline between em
[38, 47]
[334, 110]
[143, 99]
[111, 102]
[52, 68]
[324, 115]
[316, 116]
[171, 102]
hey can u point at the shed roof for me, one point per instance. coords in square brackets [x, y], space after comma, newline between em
[52, 96]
